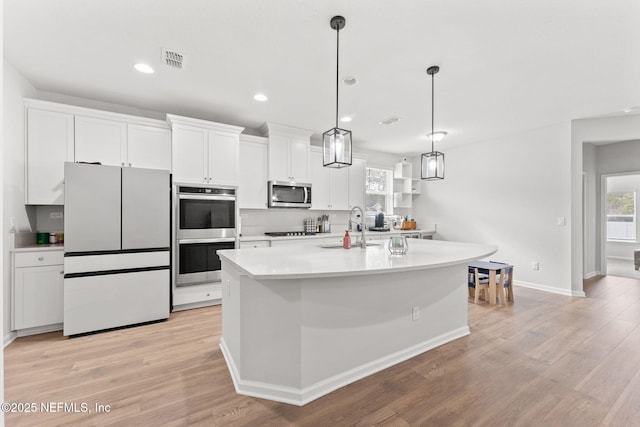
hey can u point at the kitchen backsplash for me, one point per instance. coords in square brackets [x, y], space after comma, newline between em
[256, 222]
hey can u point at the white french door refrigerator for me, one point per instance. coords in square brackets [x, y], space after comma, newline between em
[117, 246]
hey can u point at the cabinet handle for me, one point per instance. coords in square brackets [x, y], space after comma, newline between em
[62, 272]
[122, 163]
[129, 164]
[40, 258]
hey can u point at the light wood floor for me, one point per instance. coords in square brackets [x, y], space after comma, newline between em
[546, 360]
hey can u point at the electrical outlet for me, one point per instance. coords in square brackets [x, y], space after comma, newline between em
[562, 221]
[535, 265]
[415, 313]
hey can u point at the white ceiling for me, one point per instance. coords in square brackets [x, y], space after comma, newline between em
[506, 65]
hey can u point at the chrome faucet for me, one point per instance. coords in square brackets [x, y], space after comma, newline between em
[363, 243]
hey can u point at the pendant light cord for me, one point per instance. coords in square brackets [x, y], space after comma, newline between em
[432, 112]
[337, 71]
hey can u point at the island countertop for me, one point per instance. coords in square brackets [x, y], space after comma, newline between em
[313, 261]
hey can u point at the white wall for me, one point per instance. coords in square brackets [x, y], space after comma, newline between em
[509, 192]
[15, 88]
[619, 128]
[2, 238]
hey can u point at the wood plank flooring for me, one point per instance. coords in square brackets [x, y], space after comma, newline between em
[546, 360]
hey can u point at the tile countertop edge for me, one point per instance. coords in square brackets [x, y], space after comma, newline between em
[258, 237]
[38, 248]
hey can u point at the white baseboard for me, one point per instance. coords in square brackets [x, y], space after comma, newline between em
[621, 258]
[9, 338]
[39, 330]
[302, 396]
[592, 274]
[551, 289]
[196, 305]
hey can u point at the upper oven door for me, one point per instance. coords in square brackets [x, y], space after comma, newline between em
[205, 216]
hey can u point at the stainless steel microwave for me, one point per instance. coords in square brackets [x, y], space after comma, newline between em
[284, 194]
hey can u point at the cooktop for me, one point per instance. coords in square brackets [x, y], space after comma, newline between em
[379, 229]
[289, 233]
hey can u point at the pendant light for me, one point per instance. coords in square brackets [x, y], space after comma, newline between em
[432, 163]
[336, 142]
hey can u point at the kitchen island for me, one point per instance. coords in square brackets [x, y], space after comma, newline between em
[300, 321]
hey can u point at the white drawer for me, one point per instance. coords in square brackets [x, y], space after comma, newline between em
[36, 259]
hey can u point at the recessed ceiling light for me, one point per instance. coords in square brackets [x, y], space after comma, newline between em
[389, 121]
[260, 97]
[630, 109]
[346, 119]
[143, 68]
[350, 80]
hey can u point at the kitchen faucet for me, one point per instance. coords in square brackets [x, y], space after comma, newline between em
[363, 243]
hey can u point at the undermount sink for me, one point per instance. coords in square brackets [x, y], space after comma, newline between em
[337, 245]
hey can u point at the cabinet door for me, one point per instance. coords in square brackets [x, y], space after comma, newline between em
[339, 188]
[223, 158]
[189, 154]
[148, 147]
[320, 183]
[252, 192]
[357, 176]
[99, 140]
[49, 145]
[299, 160]
[38, 298]
[279, 158]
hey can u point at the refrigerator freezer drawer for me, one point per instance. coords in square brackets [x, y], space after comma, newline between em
[87, 263]
[95, 303]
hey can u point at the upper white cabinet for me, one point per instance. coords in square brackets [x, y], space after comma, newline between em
[252, 177]
[203, 151]
[58, 133]
[330, 190]
[357, 177]
[288, 153]
[148, 147]
[100, 140]
[49, 144]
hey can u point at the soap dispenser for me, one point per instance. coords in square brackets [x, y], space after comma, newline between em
[346, 240]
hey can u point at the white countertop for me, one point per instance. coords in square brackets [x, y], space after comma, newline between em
[255, 237]
[312, 261]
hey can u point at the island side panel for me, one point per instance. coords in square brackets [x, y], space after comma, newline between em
[354, 326]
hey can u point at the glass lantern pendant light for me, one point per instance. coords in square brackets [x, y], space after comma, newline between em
[336, 142]
[432, 163]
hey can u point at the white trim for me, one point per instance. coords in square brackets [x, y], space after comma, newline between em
[550, 289]
[592, 274]
[200, 304]
[302, 396]
[90, 112]
[9, 338]
[253, 138]
[173, 119]
[271, 129]
[621, 258]
[39, 330]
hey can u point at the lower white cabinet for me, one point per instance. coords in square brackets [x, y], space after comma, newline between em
[37, 291]
[255, 244]
[187, 297]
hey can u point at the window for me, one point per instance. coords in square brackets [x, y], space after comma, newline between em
[379, 191]
[621, 215]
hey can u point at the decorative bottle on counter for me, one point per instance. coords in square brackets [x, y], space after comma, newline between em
[346, 240]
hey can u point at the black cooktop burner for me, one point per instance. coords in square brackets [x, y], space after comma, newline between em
[289, 233]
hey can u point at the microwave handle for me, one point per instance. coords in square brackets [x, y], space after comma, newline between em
[306, 194]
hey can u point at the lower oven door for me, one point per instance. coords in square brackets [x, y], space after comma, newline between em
[198, 261]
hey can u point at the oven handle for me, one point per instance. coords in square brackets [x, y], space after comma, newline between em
[191, 197]
[211, 240]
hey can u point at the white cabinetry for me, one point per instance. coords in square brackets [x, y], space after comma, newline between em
[254, 244]
[252, 176]
[204, 152]
[58, 133]
[148, 147]
[49, 144]
[288, 151]
[37, 291]
[330, 190]
[357, 178]
[402, 184]
[100, 140]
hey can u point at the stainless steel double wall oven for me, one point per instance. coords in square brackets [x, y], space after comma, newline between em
[205, 222]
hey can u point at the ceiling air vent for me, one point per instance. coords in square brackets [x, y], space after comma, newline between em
[173, 59]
